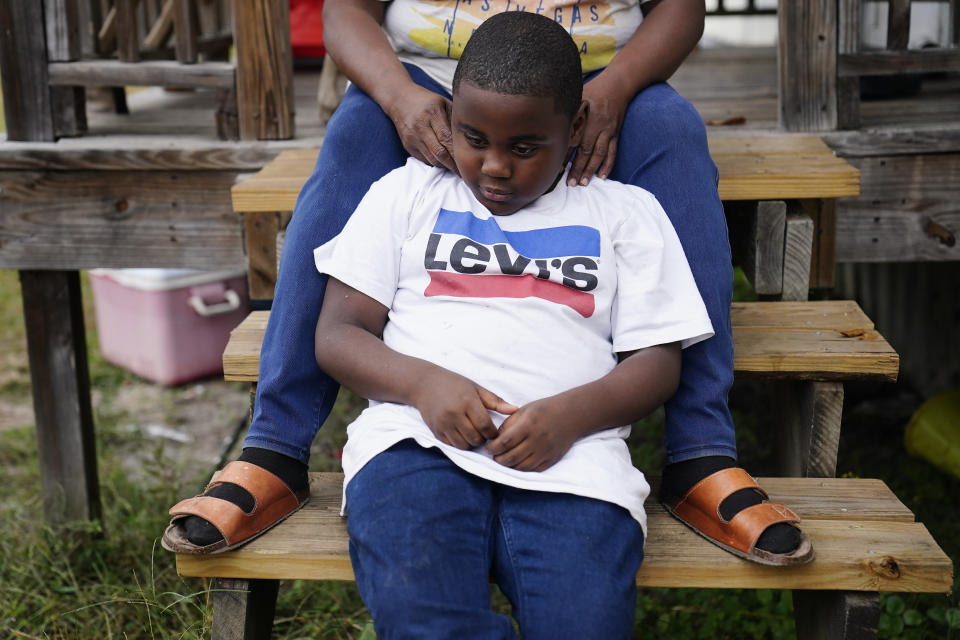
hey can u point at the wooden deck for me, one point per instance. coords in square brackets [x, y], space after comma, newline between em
[152, 188]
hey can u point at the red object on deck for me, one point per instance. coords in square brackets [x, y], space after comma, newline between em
[306, 29]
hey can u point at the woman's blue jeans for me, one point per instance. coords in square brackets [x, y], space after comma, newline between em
[427, 537]
[662, 148]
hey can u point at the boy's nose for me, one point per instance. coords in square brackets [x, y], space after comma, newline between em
[496, 165]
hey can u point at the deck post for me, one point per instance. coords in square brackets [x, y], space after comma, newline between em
[243, 609]
[23, 68]
[264, 69]
[836, 615]
[53, 314]
[807, 59]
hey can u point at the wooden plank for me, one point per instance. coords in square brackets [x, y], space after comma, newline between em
[797, 247]
[908, 211]
[807, 65]
[898, 24]
[816, 174]
[107, 35]
[808, 420]
[68, 106]
[23, 59]
[217, 75]
[848, 41]
[264, 69]
[161, 28]
[260, 234]
[912, 139]
[88, 219]
[756, 236]
[62, 19]
[823, 256]
[243, 609]
[53, 315]
[90, 18]
[813, 340]
[852, 553]
[186, 28]
[128, 35]
[227, 115]
[879, 63]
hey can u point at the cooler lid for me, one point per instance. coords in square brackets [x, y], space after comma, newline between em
[166, 279]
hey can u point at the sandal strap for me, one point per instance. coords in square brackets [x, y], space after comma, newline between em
[700, 508]
[273, 500]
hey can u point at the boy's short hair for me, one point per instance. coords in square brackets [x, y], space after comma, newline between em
[520, 53]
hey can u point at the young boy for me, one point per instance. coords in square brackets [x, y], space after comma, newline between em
[505, 327]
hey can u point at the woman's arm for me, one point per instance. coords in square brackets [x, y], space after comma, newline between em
[348, 347]
[669, 32]
[537, 435]
[355, 41]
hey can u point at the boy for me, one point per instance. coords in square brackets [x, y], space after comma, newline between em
[505, 326]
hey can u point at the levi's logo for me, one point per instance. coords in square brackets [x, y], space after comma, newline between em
[469, 257]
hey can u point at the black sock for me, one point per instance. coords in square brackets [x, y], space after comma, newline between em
[680, 476]
[293, 473]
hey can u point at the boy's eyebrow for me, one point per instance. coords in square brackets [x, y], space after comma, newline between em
[535, 137]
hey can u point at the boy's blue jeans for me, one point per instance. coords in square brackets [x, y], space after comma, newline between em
[662, 148]
[426, 538]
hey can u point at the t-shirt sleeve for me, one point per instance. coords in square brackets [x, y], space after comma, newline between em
[366, 254]
[657, 300]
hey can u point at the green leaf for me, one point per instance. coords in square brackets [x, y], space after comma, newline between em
[952, 617]
[937, 615]
[895, 605]
[368, 633]
[912, 618]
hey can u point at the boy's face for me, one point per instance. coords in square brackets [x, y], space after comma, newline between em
[510, 149]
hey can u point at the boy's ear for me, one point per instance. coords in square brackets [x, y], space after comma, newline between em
[578, 124]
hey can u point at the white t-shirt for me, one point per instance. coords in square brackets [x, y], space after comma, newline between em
[527, 306]
[432, 33]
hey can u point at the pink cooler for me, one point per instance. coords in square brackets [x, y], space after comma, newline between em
[167, 325]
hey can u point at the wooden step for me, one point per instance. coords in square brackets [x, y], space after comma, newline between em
[821, 340]
[751, 168]
[864, 537]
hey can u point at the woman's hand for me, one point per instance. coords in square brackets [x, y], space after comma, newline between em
[422, 119]
[598, 146]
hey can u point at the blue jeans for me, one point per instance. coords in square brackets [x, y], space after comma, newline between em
[662, 148]
[426, 538]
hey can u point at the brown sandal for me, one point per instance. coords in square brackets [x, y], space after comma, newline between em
[274, 502]
[699, 509]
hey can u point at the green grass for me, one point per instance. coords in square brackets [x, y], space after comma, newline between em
[81, 582]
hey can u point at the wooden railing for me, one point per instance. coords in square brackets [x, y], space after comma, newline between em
[57, 47]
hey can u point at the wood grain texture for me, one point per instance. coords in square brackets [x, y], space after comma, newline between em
[86, 219]
[186, 27]
[879, 63]
[23, 58]
[757, 232]
[797, 248]
[807, 416]
[909, 211]
[62, 19]
[264, 69]
[829, 340]
[751, 168]
[260, 240]
[127, 30]
[855, 551]
[215, 75]
[53, 314]
[807, 75]
[243, 609]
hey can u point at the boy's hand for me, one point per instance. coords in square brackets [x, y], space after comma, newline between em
[535, 437]
[455, 409]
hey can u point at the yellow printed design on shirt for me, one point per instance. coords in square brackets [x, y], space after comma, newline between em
[450, 23]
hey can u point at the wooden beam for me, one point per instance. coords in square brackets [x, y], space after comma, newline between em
[161, 29]
[808, 65]
[807, 416]
[898, 24]
[186, 29]
[68, 105]
[53, 314]
[264, 69]
[107, 35]
[833, 615]
[797, 249]
[243, 609]
[880, 63]
[23, 72]
[848, 42]
[260, 241]
[128, 33]
[164, 73]
[62, 19]
[88, 219]
[823, 253]
[756, 237]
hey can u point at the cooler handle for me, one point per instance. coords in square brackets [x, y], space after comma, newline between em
[231, 303]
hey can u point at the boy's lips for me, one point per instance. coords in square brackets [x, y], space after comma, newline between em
[495, 195]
